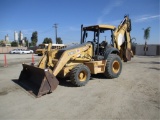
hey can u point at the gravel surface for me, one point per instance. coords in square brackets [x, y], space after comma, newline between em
[135, 94]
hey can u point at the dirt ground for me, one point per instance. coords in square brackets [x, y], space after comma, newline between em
[135, 94]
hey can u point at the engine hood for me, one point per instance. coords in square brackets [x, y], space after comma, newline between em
[60, 52]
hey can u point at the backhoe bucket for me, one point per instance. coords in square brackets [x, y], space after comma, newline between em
[37, 81]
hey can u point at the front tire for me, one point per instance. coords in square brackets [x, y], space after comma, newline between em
[80, 75]
[113, 67]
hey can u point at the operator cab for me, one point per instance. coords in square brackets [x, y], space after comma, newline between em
[98, 36]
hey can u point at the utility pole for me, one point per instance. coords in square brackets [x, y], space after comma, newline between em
[28, 43]
[105, 38]
[55, 26]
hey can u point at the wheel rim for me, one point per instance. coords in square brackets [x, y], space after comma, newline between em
[116, 66]
[82, 76]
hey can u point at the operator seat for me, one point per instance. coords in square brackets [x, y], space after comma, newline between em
[103, 44]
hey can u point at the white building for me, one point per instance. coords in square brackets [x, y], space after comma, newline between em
[15, 36]
[7, 38]
[20, 36]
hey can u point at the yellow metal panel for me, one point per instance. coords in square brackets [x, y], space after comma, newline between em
[96, 66]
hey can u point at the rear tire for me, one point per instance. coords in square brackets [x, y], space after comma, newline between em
[80, 75]
[113, 67]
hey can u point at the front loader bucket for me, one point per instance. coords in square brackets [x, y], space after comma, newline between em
[37, 81]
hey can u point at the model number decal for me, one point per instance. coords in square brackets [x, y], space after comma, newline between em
[71, 53]
[74, 52]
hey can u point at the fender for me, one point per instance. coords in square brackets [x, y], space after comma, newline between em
[109, 51]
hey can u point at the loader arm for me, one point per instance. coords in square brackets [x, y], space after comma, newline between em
[68, 55]
[42, 63]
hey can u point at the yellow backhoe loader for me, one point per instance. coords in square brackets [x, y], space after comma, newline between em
[92, 56]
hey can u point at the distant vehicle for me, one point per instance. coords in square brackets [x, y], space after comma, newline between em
[21, 51]
[43, 47]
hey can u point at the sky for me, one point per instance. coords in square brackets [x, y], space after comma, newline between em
[41, 15]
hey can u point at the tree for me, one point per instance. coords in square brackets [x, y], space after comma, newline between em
[4, 42]
[1, 42]
[146, 37]
[147, 33]
[34, 38]
[28, 43]
[59, 40]
[47, 40]
[14, 44]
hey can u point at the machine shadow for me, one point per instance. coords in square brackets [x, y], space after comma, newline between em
[98, 76]
[66, 82]
[62, 82]
[152, 62]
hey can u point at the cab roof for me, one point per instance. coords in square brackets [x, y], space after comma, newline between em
[103, 27]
